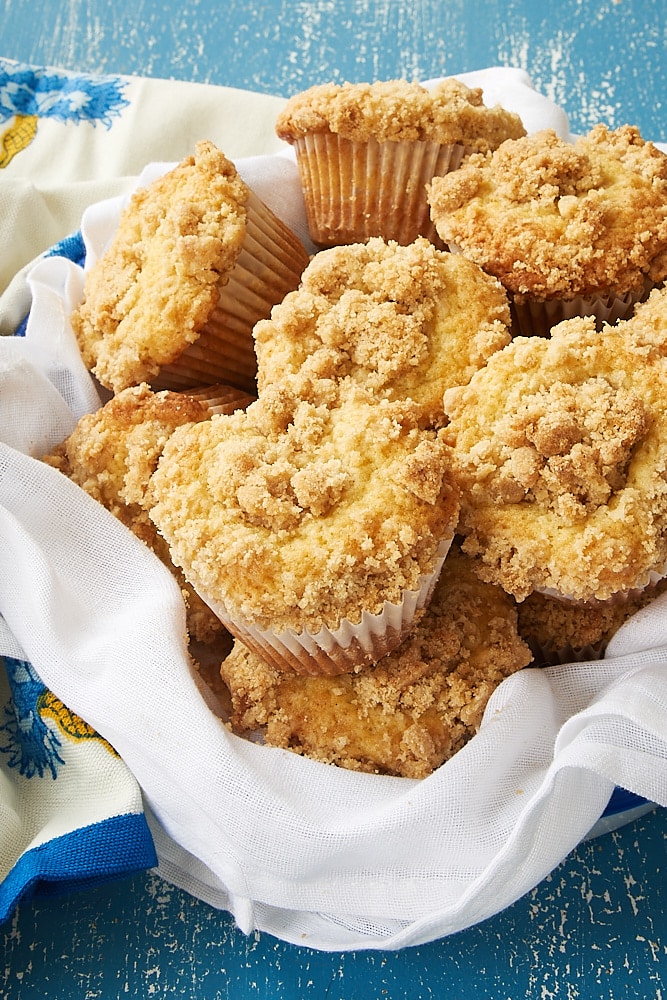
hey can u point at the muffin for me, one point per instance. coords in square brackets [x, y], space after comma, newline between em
[560, 453]
[411, 711]
[314, 523]
[564, 632]
[196, 260]
[568, 228]
[406, 322]
[112, 453]
[365, 152]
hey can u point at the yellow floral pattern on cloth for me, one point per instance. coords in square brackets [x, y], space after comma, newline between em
[27, 742]
[28, 93]
[70, 724]
[16, 137]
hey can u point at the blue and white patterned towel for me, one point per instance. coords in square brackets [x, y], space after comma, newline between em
[71, 813]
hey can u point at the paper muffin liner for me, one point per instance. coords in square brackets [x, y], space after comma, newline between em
[221, 398]
[270, 264]
[354, 190]
[342, 650]
[534, 318]
[547, 654]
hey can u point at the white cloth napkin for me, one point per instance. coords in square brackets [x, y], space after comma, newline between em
[310, 853]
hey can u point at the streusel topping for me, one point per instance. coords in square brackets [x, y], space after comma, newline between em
[409, 712]
[551, 218]
[560, 450]
[396, 110]
[149, 295]
[314, 504]
[407, 322]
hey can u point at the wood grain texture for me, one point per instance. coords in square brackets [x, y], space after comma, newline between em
[601, 60]
[595, 929]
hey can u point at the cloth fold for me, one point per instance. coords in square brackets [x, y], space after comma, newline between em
[313, 854]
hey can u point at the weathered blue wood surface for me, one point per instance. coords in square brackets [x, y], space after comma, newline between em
[603, 60]
[597, 927]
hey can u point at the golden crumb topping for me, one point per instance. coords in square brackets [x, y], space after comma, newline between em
[647, 327]
[112, 453]
[395, 110]
[408, 322]
[149, 295]
[560, 450]
[413, 709]
[312, 505]
[552, 219]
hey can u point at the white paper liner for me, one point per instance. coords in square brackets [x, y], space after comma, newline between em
[548, 655]
[341, 650]
[536, 317]
[354, 190]
[532, 318]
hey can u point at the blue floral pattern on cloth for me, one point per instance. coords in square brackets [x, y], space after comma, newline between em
[67, 97]
[39, 738]
[29, 93]
[30, 745]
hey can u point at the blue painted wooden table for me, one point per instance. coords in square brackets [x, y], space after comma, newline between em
[597, 926]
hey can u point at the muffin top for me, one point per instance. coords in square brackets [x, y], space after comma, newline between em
[314, 504]
[560, 451]
[553, 219]
[396, 110]
[406, 322]
[148, 296]
[409, 712]
[112, 453]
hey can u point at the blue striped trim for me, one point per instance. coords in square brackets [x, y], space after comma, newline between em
[87, 857]
[622, 800]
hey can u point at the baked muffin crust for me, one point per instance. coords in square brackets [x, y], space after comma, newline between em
[560, 451]
[149, 295]
[559, 631]
[406, 322]
[312, 505]
[396, 110]
[112, 453]
[552, 219]
[409, 712]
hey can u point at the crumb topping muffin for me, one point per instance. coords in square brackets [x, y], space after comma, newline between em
[366, 152]
[647, 327]
[196, 259]
[406, 322]
[409, 712]
[312, 505]
[150, 294]
[560, 451]
[552, 219]
[112, 453]
[397, 110]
